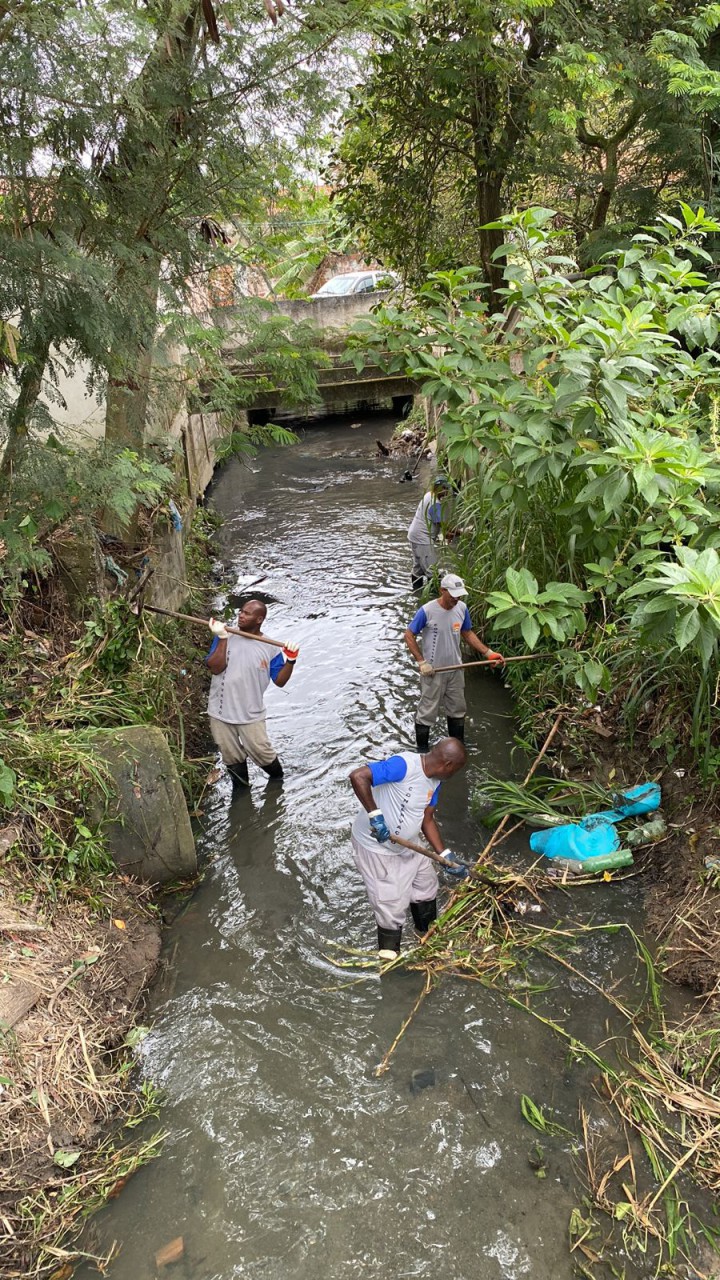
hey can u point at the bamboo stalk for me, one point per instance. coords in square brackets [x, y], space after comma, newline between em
[384, 1065]
[528, 776]
[203, 622]
[493, 662]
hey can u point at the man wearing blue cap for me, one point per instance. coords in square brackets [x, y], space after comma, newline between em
[440, 625]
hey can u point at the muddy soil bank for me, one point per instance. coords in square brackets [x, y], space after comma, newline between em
[74, 980]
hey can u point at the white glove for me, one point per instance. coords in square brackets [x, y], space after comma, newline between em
[218, 629]
[427, 669]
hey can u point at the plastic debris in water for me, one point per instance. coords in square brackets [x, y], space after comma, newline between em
[647, 833]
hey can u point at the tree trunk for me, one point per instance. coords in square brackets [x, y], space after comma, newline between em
[488, 182]
[489, 208]
[129, 389]
[21, 412]
[128, 394]
[607, 190]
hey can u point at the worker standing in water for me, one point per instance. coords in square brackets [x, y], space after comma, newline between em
[425, 530]
[398, 797]
[439, 626]
[241, 670]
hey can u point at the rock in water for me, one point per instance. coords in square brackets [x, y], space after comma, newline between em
[422, 1078]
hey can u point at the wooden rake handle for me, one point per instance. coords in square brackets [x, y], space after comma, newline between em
[493, 662]
[203, 622]
[418, 848]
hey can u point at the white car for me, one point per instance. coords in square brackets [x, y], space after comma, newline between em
[357, 282]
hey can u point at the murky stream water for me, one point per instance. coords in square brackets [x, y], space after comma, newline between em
[286, 1158]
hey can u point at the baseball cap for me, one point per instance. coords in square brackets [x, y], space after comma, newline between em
[455, 585]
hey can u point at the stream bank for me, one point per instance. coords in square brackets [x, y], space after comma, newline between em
[83, 682]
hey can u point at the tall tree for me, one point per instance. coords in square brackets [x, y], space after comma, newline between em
[473, 106]
[129, 131]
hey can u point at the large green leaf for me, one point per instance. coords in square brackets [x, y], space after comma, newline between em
[530, 631]
[687, 627]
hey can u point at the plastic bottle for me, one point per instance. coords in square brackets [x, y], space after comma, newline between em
[647, 833]
[588, 867]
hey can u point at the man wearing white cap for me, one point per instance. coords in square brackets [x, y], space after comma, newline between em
[440, 626]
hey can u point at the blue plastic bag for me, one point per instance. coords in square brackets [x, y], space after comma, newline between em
[596, 835]
[577, 840]
[642, 799]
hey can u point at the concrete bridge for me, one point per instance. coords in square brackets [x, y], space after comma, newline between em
[341, 387]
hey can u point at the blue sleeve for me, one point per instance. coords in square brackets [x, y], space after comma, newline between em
[436, 795]
[212, 649]
[434, 513]
[467, 621]
[391, 770]
[276, 666]
[418, 623]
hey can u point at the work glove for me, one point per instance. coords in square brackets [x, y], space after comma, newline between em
[378, 826]
[427, 668]
[218, 628]
[458, 869]
[291, 651]
[494, 657]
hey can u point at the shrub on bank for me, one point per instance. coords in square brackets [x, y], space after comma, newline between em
[584, 423]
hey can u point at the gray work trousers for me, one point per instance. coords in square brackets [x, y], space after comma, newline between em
[445, 691]
[236, 742]
[424, 557]
[394, 880]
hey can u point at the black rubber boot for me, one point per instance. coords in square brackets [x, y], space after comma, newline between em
[274, 769]
[422, 737]
[417, 584]
[239, 774]
[389, 941]
[423, 914]
[456, 727]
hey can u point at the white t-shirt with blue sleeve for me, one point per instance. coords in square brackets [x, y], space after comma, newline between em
[402, 792]
[438, 631]
[236, 695]
[426, 522]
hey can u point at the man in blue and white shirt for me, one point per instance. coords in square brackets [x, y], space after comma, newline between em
[242, 669]
[440, 625]
[398, 797]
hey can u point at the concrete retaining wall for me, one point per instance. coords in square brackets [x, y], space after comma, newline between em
[327, 314]
[149, 835]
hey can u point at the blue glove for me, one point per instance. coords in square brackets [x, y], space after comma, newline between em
[378, 826]
[458, 869]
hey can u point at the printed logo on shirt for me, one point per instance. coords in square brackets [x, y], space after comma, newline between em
[456, 626]
[264, 664]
